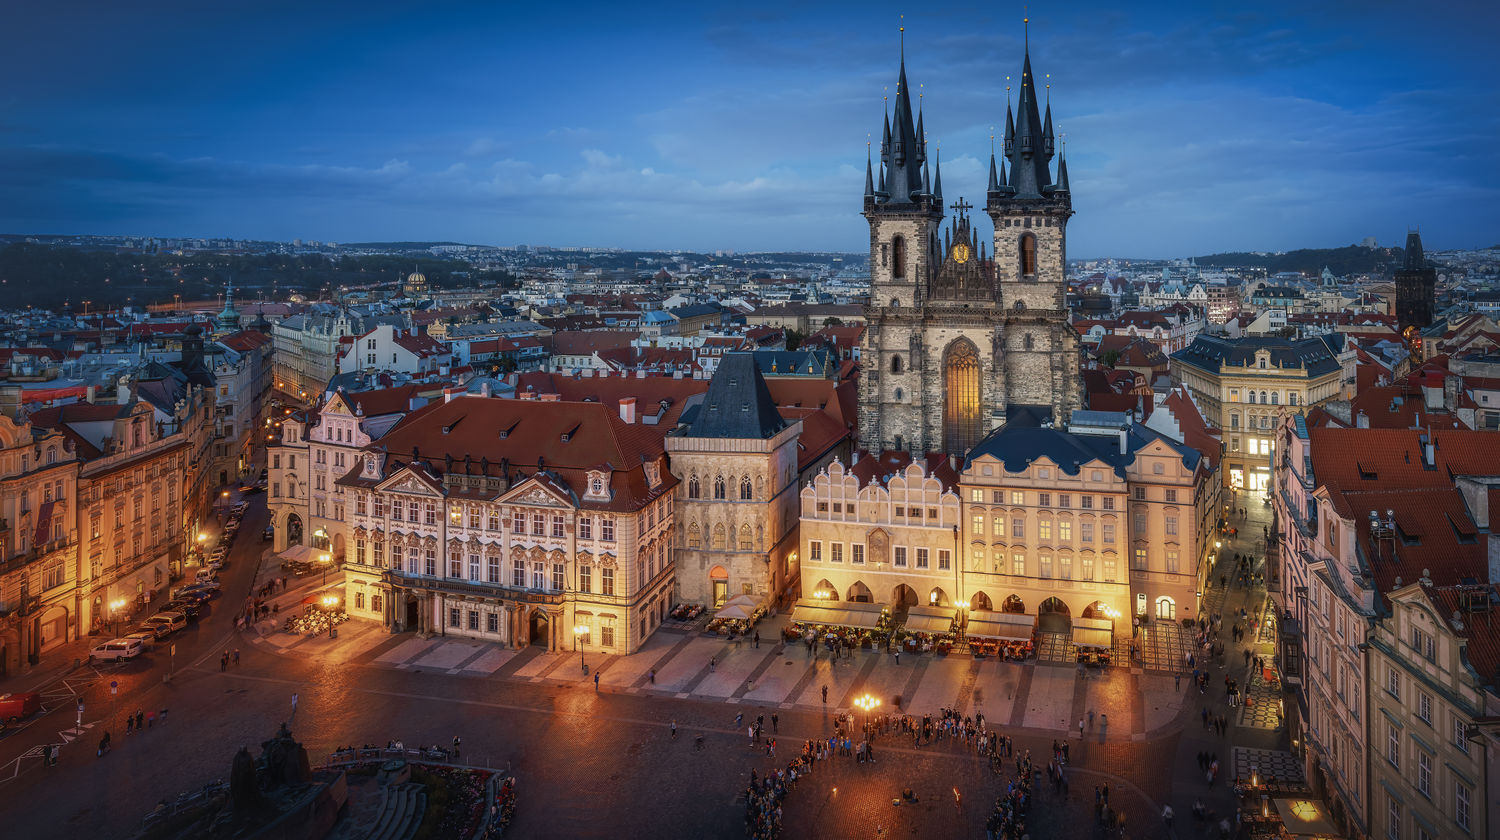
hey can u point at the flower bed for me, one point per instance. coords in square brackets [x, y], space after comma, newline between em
[456, 801]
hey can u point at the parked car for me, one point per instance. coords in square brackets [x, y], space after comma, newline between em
[147, 635]
[268, 534]
[19, 705]
[203, 576]
[173, 620]
[189, 607]
[116, 649]
[209, 589]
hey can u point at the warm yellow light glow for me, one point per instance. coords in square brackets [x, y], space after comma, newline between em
[581, 630]
[117, 604]
[324, 558]
[202, 536]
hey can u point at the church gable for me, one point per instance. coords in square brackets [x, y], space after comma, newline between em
[409, 481]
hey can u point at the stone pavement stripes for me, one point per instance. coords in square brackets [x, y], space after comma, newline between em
[1023, 696]
[668, 656]
[966, 690]
[847, 701]
[1278, 763]
[747, 686]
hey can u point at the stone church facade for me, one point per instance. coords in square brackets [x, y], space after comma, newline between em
[962, 335]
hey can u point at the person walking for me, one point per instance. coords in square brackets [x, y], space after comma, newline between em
[825, 695]
[236, 657]
[757, 638]
[456, 743]
[775, 722]
[653, 676]
[898, 656]
[596, 682]
[1080, 727]
[674, 728]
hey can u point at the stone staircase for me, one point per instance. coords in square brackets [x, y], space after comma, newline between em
[401, 809]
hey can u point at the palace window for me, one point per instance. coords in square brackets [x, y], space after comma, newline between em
[585, 580]
[607, 529]
[607, 579]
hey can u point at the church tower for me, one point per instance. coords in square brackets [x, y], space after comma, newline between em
[955, 343]
[1030, 210]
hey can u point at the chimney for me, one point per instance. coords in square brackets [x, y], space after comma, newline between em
[484, 389]
[88, 396]
[122, 394]
[1362, 420]
[550, 397]
[1429, 453]
[527, 395]
[627, 409]
[1124, 440]
[449, 394]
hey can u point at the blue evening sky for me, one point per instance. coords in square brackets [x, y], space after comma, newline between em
[1191, 127]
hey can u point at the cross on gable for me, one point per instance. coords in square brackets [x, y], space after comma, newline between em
[960, 206]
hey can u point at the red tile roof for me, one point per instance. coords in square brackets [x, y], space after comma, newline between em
[529, 435]
[869, 468]
[1383, 469]
[245, 340]
[587, 343]
[1479, 628]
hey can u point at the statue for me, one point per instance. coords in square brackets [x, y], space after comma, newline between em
[283, 762]
[243, 792]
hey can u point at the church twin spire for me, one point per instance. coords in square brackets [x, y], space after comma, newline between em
[1028, 147]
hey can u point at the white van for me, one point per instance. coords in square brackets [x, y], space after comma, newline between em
[117, 649]
[205, 575]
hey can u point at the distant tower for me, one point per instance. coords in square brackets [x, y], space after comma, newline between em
[229, 317]
[1416, 284]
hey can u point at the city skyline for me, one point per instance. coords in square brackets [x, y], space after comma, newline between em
[1189, 132]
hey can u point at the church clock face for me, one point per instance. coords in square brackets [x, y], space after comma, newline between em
[960, 253]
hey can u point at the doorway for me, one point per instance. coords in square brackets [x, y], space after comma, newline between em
[539, 628]
[411, 613]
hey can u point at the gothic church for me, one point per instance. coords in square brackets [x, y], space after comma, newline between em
[961, 338]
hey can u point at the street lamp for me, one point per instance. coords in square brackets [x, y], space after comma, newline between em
[327, 560]
[579, 631]
[114, 612]
[866, 703]
[963, 617]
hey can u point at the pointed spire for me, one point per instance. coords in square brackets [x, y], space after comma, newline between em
[937, 181]
[921, 132]
[1028, 144]
[926, 179]
[994, 178]
[1062, 175]
[1047, 139]
[869, 174]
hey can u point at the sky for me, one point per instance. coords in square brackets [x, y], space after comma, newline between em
[1191, 128]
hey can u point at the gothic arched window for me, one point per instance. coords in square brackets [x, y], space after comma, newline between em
[719, 537]
[898, 257]
[745, 542]
[899, 395]
[896, 363]
[961, 420]
[694, 489]
[1252, 398]
[1275, 398]
[1028, 342]
[1028, 255]
[745, 492]
[719, 487]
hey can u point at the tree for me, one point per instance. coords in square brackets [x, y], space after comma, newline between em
[1110, 357]
[793, 339]
[831, 321]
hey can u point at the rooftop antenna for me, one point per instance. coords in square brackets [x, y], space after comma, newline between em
[903, 39]
[1026, 27]
[1049, 88]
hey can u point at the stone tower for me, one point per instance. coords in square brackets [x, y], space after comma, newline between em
[736, 504]
[955, 342]
[1416, 284]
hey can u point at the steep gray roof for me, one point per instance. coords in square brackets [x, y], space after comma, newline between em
[1017, 446]
[1208, 352]
[738, 404]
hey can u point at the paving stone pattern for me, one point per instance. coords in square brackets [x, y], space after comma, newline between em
[1282, 765]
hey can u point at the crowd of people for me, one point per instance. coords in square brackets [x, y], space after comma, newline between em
[1008, 820]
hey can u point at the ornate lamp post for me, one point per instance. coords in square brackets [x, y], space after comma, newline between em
[579, 632]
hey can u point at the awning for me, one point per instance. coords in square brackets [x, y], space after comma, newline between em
[299, 554]
[736, 611]
[984, 624]
[1304, 818]
[837, 614]
[930, 619]
[1093, 632]
[928, 624]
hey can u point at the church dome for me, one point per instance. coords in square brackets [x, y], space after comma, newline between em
[416, 279]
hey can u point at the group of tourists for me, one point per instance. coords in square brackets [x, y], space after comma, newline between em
[1008, 820]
